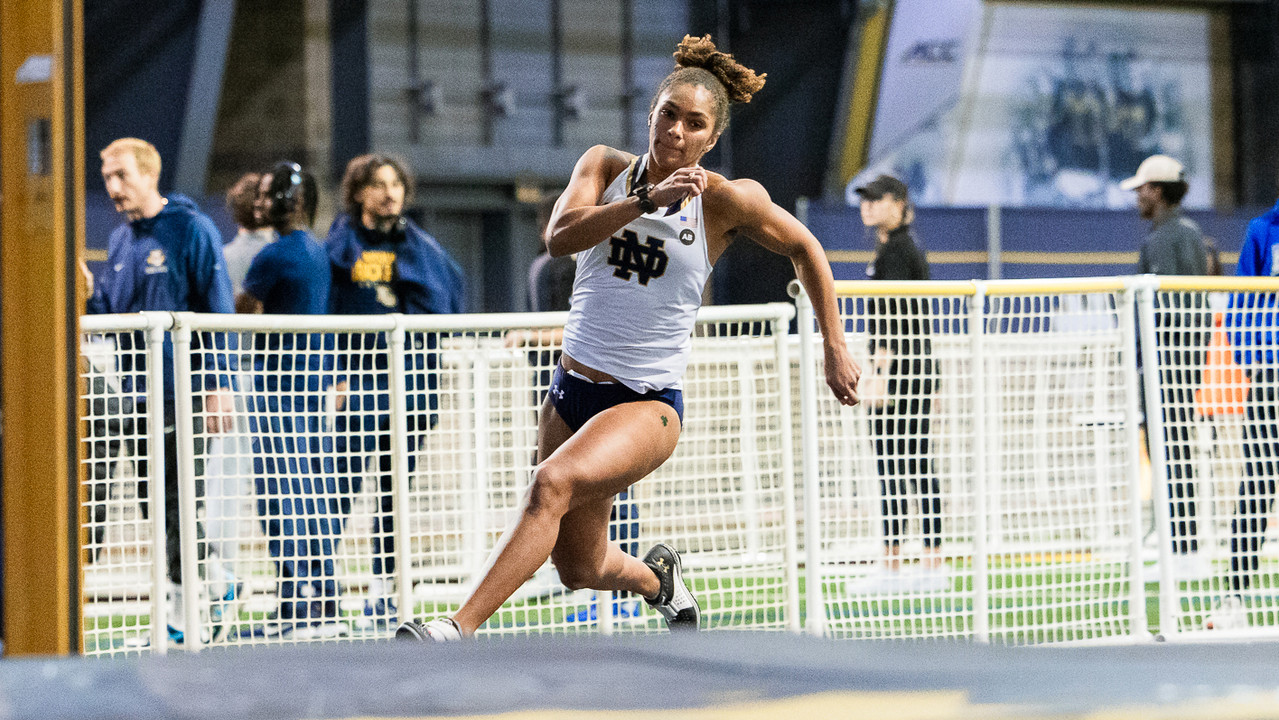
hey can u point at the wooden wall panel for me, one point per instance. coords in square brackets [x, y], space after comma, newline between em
[41, 234]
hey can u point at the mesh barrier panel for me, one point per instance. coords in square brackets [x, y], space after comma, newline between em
[908, 513]
[1215, 395]
[339, 474]
[117, 552]
[297, 466]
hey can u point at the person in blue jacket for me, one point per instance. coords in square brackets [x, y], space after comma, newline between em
[167, 256]
[294, 481]
[382, 262]
[1252, 319]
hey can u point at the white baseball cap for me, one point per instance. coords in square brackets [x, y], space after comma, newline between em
[1156, 168]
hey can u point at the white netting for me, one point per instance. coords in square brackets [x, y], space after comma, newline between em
[1215, 369]
[299, 439]
[116, 541]
[1006, 434]
[1054, 524]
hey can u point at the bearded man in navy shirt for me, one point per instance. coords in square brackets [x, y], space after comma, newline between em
[382, 262]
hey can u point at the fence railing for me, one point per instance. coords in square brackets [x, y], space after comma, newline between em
[338, 472]
[1012, 441]
[335, 470]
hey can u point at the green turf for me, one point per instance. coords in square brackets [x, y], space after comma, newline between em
[1028, 604]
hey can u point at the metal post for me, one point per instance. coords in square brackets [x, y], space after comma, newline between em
[628, 72]
[781, 342]
[155, 479]
[557, 73]
[415, 74]
[815, 619]
[486, 69]
[1132, 441]
[981, 416]
[1159, 490]
[212, 42]
[994, 243]
[184, 419]
[400, 469]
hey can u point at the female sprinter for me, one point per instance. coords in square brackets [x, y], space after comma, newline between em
[614, 410]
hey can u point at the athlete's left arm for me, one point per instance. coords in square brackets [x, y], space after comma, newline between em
[756, 215]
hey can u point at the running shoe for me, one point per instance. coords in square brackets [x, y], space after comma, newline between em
[437, 630]
[674, 601]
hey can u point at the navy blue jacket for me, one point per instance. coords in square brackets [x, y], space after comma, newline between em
[423, 278]
[170, 262]
[378, 273]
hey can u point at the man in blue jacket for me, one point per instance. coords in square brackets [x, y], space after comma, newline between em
[383, 262]
[1253, 319]
[167, 256]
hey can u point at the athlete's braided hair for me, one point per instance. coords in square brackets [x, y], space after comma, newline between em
[698, 62]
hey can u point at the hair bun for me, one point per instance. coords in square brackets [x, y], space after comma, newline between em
[739, 81]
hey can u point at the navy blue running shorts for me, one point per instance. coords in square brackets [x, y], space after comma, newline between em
[578, 400]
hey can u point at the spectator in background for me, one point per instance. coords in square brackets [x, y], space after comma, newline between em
[898, 391]
[1252, 317]
[1175, 247]
[293, 468]
[550, 289]
[254, 233]
[382, 262]
[550, 279]
[167, 256]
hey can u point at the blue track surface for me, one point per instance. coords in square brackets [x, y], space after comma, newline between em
[638, 673]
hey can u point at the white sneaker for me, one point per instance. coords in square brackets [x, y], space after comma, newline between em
[1191, 566]
[323, 631]
[882, 581]
[931, 580]
[1230, 614]
[437, 630]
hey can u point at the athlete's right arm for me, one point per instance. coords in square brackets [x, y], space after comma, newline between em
[578, 221]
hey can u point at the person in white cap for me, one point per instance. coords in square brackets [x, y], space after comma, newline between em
[1175, 243]
[1174, 246]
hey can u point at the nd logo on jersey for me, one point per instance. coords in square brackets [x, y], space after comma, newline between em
[648, 261]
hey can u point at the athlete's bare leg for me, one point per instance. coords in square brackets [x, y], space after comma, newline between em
[576, 481]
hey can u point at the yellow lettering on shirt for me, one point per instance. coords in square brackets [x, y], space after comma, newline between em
[374, 266]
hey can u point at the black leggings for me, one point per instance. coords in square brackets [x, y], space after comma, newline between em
[1177, 394]
[900, 432]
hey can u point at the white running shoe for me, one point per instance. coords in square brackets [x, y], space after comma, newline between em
[932, 580]
[1230, 614]
[882, 581]
[437, 630]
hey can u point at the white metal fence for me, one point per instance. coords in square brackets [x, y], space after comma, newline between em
[1025, 463]
[369, 464]
[992, 488]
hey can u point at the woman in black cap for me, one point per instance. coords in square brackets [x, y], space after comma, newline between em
[899, 396]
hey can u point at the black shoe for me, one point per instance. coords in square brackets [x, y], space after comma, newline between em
[437, 630]
[674, 601]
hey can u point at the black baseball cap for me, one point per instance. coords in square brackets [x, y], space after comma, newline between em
[884, 185]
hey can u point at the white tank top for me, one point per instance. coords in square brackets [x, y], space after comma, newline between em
[636, 295]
